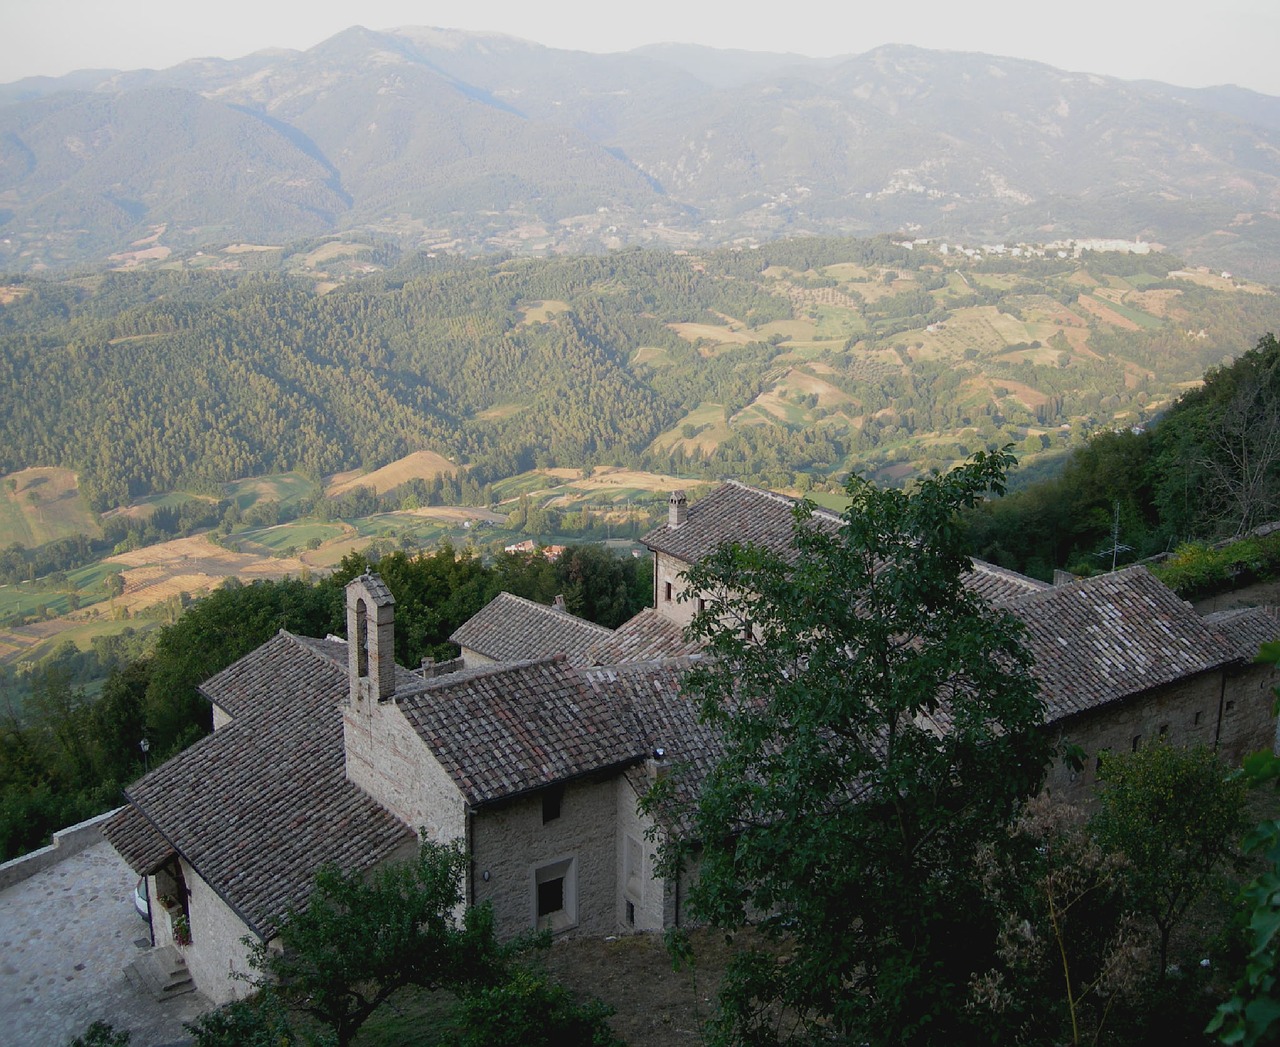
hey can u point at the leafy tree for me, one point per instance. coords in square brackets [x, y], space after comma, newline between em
[215, 631]
[362, 937]
[1175, 814]
[880, 726]
[1252, 1015]
[102, 1034]
[527, 1010]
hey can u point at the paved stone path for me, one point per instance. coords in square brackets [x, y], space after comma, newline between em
[66, 935]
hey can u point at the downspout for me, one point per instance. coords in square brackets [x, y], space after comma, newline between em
[468, 834]
[151, 927]
[1222, 701]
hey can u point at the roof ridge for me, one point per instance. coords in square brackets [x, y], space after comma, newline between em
[786, 499]
[300, 642]
[552, 609]
[480, 672]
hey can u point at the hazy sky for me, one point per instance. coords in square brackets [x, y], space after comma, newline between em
[1181, 42]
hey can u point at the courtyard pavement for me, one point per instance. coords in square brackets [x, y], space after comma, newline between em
[66, 935]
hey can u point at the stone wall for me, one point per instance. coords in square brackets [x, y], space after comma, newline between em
[510, 843]
[1227, 711]
[216, 954]
[667, 589]
[386, 758]
[65, 843]
[638, 881]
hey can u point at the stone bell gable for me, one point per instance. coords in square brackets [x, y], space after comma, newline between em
[371, 648]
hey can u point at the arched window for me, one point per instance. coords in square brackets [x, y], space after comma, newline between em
[361, 639]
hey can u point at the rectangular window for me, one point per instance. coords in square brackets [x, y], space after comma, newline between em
[1231, 706]
[667, 592]
[631, 914]
[555, 895]
[550, 896]
[1137, 741]
[702, 604]
[552, 799]
[1199, 714]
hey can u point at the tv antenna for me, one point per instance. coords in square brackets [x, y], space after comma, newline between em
[1116, 547]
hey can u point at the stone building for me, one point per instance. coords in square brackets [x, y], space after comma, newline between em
[534, 747]
[1120, 658]
[327, 752]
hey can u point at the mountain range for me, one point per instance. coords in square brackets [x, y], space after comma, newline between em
[433, 138]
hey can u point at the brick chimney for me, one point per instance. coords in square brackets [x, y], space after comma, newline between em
[677, 509]
[371, 638]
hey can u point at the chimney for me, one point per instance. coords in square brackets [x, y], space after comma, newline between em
[371, 648]
[559, 604]
[677, 509]
[657, 765]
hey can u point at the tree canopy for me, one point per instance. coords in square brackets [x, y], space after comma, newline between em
[880, 725]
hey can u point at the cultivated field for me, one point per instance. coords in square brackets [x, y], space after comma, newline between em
[43, 505]
[421, 465]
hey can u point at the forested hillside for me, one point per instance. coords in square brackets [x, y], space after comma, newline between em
[1210, 468]
[786, 366]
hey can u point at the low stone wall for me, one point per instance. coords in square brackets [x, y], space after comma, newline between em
[66, 842]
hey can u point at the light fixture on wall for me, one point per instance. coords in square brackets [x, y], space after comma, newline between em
[485, 876]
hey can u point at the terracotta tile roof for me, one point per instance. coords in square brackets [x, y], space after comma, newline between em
[510, 629]
[1247, 628]
[647, 636]
[734, 512]
[259, 805]
[144, 849]
[998, 585]
[504, 730]
[252, 684]
[667, 720]
[1106, 638]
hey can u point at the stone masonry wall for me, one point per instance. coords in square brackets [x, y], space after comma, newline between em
[387, 759]
[511, 842]
[667, 570]
[1194, 711]
[216, 954]
[638, 881]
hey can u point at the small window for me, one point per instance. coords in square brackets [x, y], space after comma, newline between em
[1231, 706]
[555, 896]
[1137, 741]
[747, 632]
[667, 592]
[1164, 730]
[631, 914]
[702, 604]
[551, 801]
[550, 896]
[1199, 715]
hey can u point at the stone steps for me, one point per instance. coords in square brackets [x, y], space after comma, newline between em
[161, 973]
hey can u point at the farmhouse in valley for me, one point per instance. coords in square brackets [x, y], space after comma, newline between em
[533, 748]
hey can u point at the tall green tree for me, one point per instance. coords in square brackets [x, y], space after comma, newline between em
[1176, 815]
[880, 726]
[362, 937]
